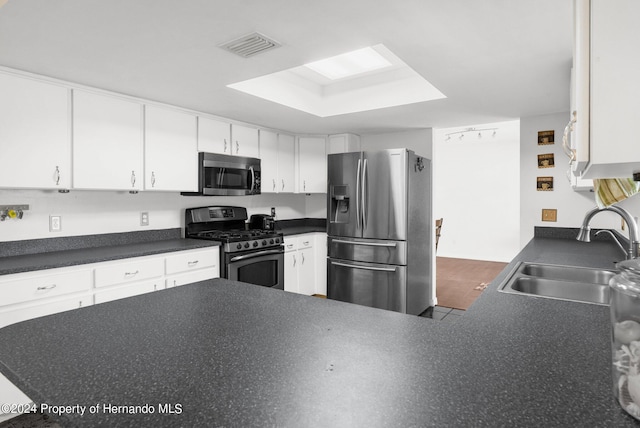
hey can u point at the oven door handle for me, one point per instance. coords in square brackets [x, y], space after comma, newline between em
[253, 255]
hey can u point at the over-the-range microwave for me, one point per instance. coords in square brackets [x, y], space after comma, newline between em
[225, 175]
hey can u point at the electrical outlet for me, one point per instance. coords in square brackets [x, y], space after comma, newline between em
[273, 212]
[55, 223]
[144, 218]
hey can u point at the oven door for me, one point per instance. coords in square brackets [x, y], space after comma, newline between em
[260, 267]
[230, 175]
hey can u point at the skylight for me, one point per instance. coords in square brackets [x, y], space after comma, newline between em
[349, 64]
[362, 80]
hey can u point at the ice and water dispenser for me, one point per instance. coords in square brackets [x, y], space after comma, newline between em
[339, 203]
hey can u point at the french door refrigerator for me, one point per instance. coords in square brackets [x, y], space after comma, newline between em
[380, 230]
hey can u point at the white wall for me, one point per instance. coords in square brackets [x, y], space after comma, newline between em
[419, 140]
[96, 212]
[476, 192]
[571, 205]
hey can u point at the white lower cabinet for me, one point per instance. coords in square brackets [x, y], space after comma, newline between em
[191, 266]
[128, 290]
[300, 267]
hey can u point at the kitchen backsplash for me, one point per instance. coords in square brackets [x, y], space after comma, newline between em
[100, 212]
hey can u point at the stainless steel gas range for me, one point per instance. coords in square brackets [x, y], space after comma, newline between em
[255, 256]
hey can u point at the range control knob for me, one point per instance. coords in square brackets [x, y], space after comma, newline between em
[277, 240]
[264, 242]
[239, 246]
[271, 241]
[255, 243]
[246, 245]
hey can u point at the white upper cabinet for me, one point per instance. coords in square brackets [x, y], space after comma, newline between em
[170, 150]
[107, 142]
[214, 136]
[312, 165]
[269, 161]
[605, 88]
[286, 163]
[244, 141]
[343, 143]
[35, 146]
[277, 155]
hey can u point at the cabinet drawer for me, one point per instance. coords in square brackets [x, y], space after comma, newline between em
[191, 277]
[23, 312]
[24, 287]
[305, 241]
[128, 290]
[118, 273]
[185, 261]
[290, 243]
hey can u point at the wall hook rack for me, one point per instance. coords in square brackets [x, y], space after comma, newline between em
[12, 211]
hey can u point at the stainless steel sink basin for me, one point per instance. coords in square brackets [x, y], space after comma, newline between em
[576, 284]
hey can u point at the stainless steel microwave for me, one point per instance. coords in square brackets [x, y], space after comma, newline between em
[224, 175]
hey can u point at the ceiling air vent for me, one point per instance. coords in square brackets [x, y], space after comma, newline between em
[250, 45]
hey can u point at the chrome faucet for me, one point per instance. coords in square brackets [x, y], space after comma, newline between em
[634, 238]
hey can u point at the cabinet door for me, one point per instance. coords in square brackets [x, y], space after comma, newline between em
[170, 150]
[286, 163]
[343, 143]
[186, 261]
[129, 290]
[117, 272]
[269, 161]
[320, 251]
[17, 313]
[34, 134]
[291, 271]
[191, 277]
[107, 142]
[245, 141]
[214, 136]
[306, 271]
[312, 165]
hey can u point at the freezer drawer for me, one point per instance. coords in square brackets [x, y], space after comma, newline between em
[368, 250]
[368, 284]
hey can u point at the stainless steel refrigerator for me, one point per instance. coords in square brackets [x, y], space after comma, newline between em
[380, 230]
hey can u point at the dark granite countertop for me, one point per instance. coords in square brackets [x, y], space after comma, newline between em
[233, 354]
[303, 225]
[79, 256]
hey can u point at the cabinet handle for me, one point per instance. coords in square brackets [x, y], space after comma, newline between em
[225, 146]
[274, 184]
[304, 185]
[302, 254]
[56, 176]
[294, 260]
[192, 263]
[571, 153]
[283, 184]
[305, 242]
[153, 179]
[237, 147]
[46, 287]
[133, 178]
[80, 304]
[130, 274]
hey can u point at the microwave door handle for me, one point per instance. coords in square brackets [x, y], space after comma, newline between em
[253, 178]
[358, 194]
[253, 255]
[221, 177]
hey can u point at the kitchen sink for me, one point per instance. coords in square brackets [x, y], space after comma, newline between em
[576, 284]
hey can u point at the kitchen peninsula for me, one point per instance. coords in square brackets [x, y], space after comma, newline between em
[221, 353]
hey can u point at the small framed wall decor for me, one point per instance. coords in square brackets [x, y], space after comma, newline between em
[544, 184]
[546, 160]
[546, 137]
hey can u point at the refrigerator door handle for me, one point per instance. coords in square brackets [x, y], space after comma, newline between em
[364, 195]
[391, 269]
[358, 194]
[370, 244]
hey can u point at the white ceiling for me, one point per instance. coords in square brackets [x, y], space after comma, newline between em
[495, 60]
